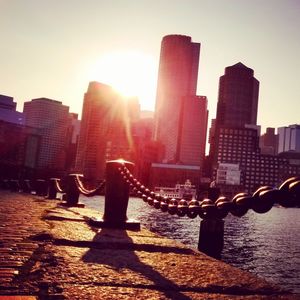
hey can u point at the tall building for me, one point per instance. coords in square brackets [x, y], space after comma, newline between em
[51, 118]
[192, 131]
[8, 111]
[289, 138]
[235, 138]
[105, 132]
[180, 116]
[238, 97]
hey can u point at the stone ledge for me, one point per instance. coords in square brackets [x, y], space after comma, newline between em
[66, 258]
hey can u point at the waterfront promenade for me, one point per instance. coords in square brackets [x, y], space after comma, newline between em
[50, 252]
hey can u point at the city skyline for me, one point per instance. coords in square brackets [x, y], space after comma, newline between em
[50, 50]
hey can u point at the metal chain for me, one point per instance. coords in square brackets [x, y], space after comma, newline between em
[86, 192]
[58, 186]
[261, 201]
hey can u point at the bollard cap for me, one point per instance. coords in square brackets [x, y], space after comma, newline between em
[120, 161]
[76, 174]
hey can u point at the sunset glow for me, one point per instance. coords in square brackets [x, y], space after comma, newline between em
[130, 73]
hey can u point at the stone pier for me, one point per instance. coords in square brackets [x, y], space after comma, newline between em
[48, 251]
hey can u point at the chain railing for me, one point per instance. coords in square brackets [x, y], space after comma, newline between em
[119, 181]
[261, 201]
[72, 188]
[212, 213]
[86, 192]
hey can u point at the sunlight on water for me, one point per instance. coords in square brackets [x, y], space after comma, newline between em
[267, 245]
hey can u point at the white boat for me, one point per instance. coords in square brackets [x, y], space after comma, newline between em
[180, 191]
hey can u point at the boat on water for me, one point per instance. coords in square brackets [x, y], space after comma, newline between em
[180, 191]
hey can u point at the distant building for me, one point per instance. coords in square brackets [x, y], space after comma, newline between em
[168, 175]
[289, 138]
[145, 149]
[19, 150]
[269, 142]
[228, 174]
[106, 131]
[8, 111]
[72, 141]
[212, 131]
[52, 121]
[180, 116]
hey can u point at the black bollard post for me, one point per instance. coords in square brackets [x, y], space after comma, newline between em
[72, 192]
[4, 184]
[14, 185]
[116, 199]
[52, 192]
[211, 237]
[41, 187]
[27, 188]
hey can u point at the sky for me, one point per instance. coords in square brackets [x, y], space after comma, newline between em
[54, 48]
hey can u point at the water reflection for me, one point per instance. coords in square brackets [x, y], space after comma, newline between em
[267, 245]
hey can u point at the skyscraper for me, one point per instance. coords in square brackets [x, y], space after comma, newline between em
[180, 116]
[105, 132]
[238, 97]
[51, 118]
[192, 131]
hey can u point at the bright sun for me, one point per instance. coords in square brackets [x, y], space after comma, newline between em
[130, 73]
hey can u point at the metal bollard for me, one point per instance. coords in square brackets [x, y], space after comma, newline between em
[116, 199]
[211, 237]
[52, 193]
[27, 188]
[41, 187]
[14, 185]
[72, 193]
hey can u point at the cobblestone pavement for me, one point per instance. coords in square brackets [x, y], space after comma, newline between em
[50, 252]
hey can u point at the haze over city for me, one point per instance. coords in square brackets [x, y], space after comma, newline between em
[53, 49]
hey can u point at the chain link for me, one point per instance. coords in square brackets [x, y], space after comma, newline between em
[86, 192]
[261, 201]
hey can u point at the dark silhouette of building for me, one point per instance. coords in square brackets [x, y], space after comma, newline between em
[238, 97]
[8, 111]
[180, 116]
[235, 154]
[19, 150]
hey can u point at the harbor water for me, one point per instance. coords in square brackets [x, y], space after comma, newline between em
[267, 245]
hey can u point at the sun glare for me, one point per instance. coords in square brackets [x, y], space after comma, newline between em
[130, 73]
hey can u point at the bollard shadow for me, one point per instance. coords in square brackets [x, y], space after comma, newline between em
[130, 261]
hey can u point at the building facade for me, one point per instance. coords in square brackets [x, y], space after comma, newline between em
[105, 132]
[235, 138]
[289, 138]
[192, 131]
[19, 150]
[170, 174]
[52, 120]
[238, 97]
[8, 111]
[269, 142]
[180, 116]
